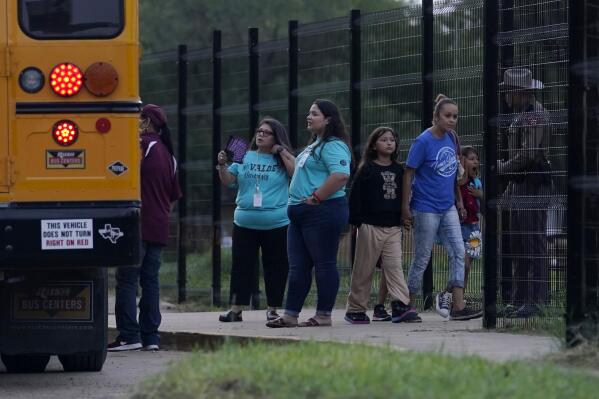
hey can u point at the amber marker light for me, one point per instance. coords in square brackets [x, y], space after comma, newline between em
[65, 133]
[66, 79]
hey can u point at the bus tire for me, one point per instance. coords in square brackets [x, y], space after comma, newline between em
[89, 361]
[25, 363]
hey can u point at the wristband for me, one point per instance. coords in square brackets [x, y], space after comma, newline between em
[316, 197]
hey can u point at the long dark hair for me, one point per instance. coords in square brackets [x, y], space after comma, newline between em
[165, 137]
[336, 126]
[370, 153]
[280, 133]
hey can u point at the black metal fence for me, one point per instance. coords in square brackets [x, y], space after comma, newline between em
[385, 68]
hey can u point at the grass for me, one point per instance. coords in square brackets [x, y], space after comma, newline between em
[327, 370]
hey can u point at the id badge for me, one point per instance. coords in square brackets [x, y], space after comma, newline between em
[303, 157]
[257, 198]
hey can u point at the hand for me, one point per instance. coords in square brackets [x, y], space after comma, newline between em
[407, 218]
[311, 200]
[462, 213]
[475, 192]
[221, 158]
[277, 148]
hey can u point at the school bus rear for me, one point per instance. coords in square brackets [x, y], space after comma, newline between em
[69, 148]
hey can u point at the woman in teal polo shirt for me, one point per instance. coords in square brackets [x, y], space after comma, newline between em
[318, 212]
[260, 220]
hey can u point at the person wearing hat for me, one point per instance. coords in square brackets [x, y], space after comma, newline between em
[528, 173]
[159, 191]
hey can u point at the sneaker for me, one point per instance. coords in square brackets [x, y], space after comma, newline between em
[466, 314]
[380, 314]
[507, 311]
[443, 303]
[230, 316]
[357, 318]
[271, 315]
[150, 348]
[400, 312]
[118, 346]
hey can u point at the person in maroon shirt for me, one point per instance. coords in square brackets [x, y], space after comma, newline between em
[159, 191]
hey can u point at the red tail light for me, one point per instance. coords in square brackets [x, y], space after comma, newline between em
[65, 132]
[66, 79]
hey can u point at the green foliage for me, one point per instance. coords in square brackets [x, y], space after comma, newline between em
[328, 370]
[168, 23]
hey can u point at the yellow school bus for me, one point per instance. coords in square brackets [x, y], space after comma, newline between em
[69, 146]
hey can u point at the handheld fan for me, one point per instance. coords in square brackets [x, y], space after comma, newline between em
[236, 148]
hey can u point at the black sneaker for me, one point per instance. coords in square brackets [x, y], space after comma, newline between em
[380, 313]
[271, 315]
[465, 314]
[507, 311]
[402, 313]
[357, 318]
[119, 346]
[230, 316]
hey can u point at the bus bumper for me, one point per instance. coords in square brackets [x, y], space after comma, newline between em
[82, 235]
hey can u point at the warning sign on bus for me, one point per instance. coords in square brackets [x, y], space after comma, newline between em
[53, 301]
[67, 234]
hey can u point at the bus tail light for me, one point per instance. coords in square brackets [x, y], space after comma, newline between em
[65, 132]
[101, 79]
[66, 79]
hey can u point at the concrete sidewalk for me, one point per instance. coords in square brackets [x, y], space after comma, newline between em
[184, 331]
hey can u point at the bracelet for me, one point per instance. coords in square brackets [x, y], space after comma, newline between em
[316, 197]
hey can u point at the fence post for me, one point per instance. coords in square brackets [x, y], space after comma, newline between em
[427, 111]
[182, 155]
[254, 99]
[216, 191]
[578, 247]
[490, 109]
[292, 94]
[355, 91]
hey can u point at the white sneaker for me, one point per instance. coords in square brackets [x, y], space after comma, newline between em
[150, 348]
[443, 303]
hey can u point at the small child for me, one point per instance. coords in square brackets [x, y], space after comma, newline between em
[375, 209]
[471, 189]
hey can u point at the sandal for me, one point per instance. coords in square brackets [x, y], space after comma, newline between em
[280, 323]
[312, 322]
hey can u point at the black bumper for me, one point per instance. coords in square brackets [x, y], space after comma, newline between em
[70, 235]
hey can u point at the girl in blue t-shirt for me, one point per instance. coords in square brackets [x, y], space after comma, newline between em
[260, 220]
[318, 212]
[430, 198]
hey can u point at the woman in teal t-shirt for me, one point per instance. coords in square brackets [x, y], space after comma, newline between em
[318, 212]
[260, 220]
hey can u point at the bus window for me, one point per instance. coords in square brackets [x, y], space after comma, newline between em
[71, 19]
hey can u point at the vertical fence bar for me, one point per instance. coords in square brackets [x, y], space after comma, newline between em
[355, 92]
[216, 143]
[506, 61]
[292, 103]
[355, 89]
[254, 99]
[576, 284]
[427, 111]
[182, 155]
[490, 109]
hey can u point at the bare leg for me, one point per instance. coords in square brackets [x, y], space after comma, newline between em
[467, 263]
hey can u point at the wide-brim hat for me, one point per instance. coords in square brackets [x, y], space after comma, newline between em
[520, 79]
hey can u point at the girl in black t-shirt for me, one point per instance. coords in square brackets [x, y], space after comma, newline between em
[375, 210]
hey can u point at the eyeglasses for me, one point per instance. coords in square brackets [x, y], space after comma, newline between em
[264, 132]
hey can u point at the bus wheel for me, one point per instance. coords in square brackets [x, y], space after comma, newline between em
[25, 363]
[90, 361]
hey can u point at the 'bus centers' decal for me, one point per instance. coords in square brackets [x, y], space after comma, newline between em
[61, 159]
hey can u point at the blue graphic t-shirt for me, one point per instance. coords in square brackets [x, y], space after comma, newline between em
[314, 165]
[260, 175]
[435, 161]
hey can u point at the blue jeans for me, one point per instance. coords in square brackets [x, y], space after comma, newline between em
[312, 242]
[426, 227]
[125, 309]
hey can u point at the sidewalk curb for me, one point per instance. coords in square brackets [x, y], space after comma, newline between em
[188, 342]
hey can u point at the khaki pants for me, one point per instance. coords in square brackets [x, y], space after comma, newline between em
[373, 242]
